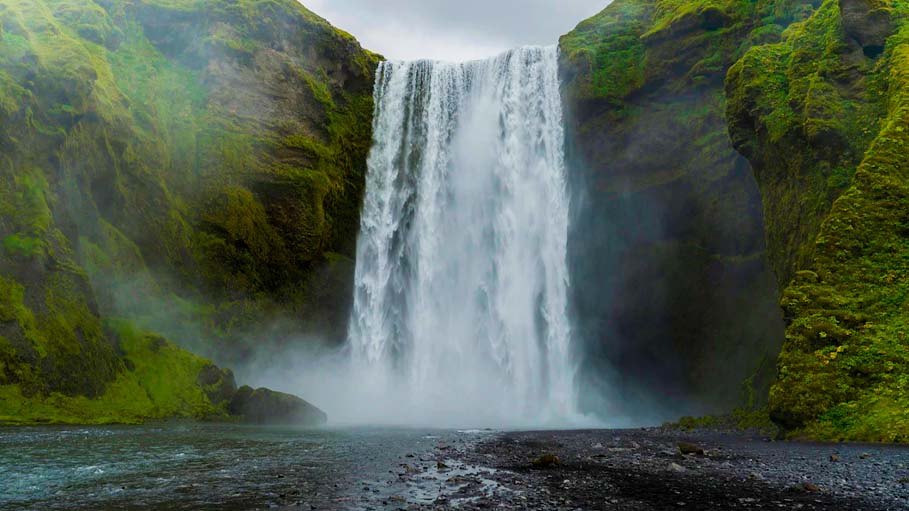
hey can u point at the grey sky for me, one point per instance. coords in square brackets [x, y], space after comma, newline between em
[453, 29]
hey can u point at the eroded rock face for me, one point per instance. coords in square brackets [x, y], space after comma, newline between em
[823, 120]
[264, 406]
[868, 23]
[670, 275]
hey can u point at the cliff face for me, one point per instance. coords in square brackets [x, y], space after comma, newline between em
[823, 116]
[670, 272]
[192, 167]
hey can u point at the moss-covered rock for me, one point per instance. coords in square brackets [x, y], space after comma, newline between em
[264, 406]
[189, 165]
[823, 116]
[154, 379]
[668, 256]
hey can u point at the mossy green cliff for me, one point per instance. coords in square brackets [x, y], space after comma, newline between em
[823, 115]
[190, 167]
[668, 235]
[813, 95]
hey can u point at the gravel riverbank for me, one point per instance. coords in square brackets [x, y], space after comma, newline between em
[646, 470]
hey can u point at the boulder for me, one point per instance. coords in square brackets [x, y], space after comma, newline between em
[687, 448]
[546, 461]
[265, 406]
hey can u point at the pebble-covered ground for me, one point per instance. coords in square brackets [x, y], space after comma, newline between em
[646, 470]
[194, 467]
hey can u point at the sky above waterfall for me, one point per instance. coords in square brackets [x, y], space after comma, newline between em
[453, 30]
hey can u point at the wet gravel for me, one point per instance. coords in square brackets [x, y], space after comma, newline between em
[236, 468]
[645, 470]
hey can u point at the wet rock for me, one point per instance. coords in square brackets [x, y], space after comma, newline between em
[867, 24]
[546, 461]
[834, 457]
[811, 487]
[264, 406]
[865, 455]
[675, 467]
[689, 448]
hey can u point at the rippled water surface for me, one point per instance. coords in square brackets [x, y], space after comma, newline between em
[225, 467]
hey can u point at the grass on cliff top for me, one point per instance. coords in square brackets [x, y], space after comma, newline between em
[613, 48]
[609, 49]
[158, 382]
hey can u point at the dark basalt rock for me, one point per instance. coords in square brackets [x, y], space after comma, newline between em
[265, 406]
[666, 250]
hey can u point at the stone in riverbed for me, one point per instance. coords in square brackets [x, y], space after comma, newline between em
[675, 467]
[811, 487]
[546, 461]
[689, 448]
[265, 406]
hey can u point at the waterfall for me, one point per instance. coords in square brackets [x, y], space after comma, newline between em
[460, 307]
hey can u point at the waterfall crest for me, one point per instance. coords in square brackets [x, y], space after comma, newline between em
[461, 298]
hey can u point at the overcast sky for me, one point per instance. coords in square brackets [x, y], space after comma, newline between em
[453, 29]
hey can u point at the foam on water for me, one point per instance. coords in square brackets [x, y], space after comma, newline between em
[460, 310]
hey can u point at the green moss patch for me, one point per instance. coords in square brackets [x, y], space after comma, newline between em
[824, 124]
[159, 153]
[158, 380]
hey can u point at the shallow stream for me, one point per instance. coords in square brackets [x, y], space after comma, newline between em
[226, 467]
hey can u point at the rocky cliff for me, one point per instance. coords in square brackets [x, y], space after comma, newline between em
[823, 116]
[676, 288]
[672, 284]
[187, 167]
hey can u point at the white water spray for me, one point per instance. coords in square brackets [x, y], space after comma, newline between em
[460, 312]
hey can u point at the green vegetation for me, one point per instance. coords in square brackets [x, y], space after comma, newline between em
[647, 132]
[741, 419]
[186, 165]
[815, 98]
[609, 52]
[621, 50]
[816, 114]
[158, 381]
[822, 116]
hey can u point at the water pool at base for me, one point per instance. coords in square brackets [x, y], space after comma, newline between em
[214, 466]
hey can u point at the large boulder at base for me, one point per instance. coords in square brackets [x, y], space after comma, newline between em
[264, 406]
